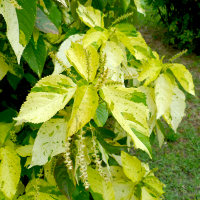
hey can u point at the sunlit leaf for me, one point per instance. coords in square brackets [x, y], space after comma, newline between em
[10, 170]
[85, 61]
[47, 97]
[61, 54]
[129, 109]
[84, 108]
[132, 167]
[25, 151]
[49, 142]
[163, 94]
[90, 16]
[99, 185]
[183, 76]
[9, 13]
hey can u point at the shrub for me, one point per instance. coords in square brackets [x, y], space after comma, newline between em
[101, 96]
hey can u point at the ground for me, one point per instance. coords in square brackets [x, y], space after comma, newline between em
[178, 161]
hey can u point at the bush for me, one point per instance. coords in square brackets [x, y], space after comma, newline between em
[95, 93]
[181, 19]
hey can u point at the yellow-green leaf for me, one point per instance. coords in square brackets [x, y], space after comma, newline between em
[85, 61]
[128, 106]
[183, 76]
[150, 70]
[163, 94]
[84, 108]
[4, 131]
[95, 36]
[25, 151]
[46, 98]
[4, 67]
[132, 167]
[10, 170]
[123, 187]
[90, 16]
[49, 142]
[8, 11]
[146, 194]
[114, 56]
[61, 54]
[176, 111]
[99, 185]
[154, 185]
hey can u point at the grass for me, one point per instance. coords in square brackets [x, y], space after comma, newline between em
[178, 161]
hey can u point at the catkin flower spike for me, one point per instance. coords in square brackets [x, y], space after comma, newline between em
[81, 160]
[67, 154]
[97, 159]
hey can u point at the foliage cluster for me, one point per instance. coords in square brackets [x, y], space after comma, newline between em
[102, 96]
[180, 18]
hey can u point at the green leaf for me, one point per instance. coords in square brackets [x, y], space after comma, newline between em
[26, 17]
[183, 76]
[54, 14]
[163, 94]
[4, 68]
[44, 24]
[160, 133]
[10, 170]
[147, 194]
[4, 131]
[132, 167]
[50, 141]
[99, 185]
[9, 13]
[61, 54]
[49, 95]
[84, 108]
[101, 115]
[127, 29]
[125, 4]
[35, 55]
[85, 61]
[140, 5]
[132, 116]
[90, 16]
[63, 180]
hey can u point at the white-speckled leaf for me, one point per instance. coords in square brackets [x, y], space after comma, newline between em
[128, 106]
[47, 97]
[114, 56]
[9, 13]
[90, 16]
[163, 94]
[10, 169]
[50, 141]
[61, 54]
